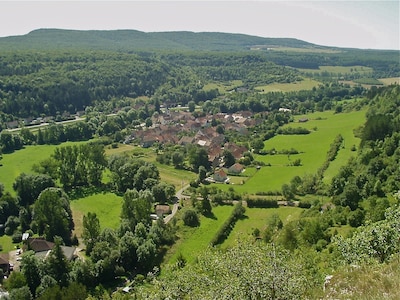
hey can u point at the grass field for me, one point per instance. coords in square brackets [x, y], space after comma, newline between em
[257, 218]
[107, 207]
[312, 147]
[6, 243]
[21, 161]
[305, 84]
[194, 240]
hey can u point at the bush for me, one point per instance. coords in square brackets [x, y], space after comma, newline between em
[262, 203]
[304, 204]
[190, 218]
[17, 237]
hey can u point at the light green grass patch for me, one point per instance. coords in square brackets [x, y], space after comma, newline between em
[194, 240]
[6, 243]
[107, 207]
[223, 87]
[390, 80]
[305, 84]
[258, 218]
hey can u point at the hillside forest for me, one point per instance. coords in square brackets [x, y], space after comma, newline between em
[176, 172]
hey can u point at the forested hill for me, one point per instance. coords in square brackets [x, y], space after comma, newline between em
[133, 40]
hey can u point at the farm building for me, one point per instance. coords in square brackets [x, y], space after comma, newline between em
[220, 176]
[236, 168]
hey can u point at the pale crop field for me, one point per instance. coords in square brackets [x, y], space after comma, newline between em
[305, 84]
[339, 69]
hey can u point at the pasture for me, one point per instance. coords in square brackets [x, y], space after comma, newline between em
[312, 148]
[305, 84]
[107, 207]
[194, 240]
[258, 218]
[21, 161]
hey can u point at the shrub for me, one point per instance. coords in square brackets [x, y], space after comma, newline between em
[262, 203]
[190, 218]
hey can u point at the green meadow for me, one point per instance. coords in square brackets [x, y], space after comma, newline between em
[194, 240]
[312, 148]
[107, 207]
[258, 218]
[21, 161]
[6, 244]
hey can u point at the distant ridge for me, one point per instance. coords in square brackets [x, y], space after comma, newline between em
[134, 40]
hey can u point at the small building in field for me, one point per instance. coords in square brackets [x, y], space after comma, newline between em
[162, 209]
[220, 176]
[236, 168]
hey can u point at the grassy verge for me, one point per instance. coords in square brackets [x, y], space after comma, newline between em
[6, 243]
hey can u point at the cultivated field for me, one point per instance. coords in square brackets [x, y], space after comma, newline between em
[305, 84]
[390, 80]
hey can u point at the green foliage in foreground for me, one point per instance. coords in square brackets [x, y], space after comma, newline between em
[246, 271]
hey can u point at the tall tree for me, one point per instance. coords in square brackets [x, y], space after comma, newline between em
[91, 231]
[53, 215]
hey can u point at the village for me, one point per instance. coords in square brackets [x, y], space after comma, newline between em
[182, 128]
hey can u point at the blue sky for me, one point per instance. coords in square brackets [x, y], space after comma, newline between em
[358, 24]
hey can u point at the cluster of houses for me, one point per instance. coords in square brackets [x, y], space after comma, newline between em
[182, 128]
[41, 247]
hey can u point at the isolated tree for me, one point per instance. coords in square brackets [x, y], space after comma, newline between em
[177, 159]
[191, 106]
[229, 159]
[190, 218]
[202, 173]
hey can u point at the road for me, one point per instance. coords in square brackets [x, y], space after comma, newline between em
[175, 208]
